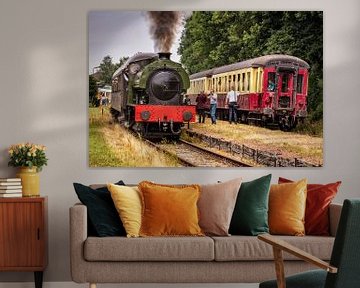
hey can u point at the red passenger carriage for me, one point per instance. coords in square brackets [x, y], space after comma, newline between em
[271, 89]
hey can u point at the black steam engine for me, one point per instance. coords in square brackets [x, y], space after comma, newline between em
[147, 95]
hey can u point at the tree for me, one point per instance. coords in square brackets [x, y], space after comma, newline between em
[212, 39]
[121, 62]
[107, 70]
[93, 101]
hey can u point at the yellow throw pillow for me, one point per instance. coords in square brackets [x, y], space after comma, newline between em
[287, 204]
[127, 201]
[169, 210]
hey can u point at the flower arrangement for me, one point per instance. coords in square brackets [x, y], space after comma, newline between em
[27, 155]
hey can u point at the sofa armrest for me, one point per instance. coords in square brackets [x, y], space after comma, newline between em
[334, 217]
[78, 235]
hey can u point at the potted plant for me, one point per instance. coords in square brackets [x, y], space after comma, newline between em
[30, 158]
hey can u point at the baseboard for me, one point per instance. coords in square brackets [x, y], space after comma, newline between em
[74, 285]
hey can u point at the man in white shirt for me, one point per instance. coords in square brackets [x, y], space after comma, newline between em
[231, 101]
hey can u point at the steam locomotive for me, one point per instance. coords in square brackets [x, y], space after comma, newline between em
[272, 89]
[147, 95]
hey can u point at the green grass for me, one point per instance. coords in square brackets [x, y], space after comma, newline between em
[113, 146]
[100, 154]
[312, 128]
[288, 144]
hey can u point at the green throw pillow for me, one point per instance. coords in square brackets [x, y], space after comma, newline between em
[103, 218]
[250, 216]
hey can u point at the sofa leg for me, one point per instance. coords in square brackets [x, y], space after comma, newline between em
[92, 285]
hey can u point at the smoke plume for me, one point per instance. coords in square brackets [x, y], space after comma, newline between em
[163, 28]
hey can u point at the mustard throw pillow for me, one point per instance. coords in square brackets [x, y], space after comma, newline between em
[169, 210]
[287, 204]
[127, 201]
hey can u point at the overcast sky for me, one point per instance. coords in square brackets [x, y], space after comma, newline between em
[119, 34]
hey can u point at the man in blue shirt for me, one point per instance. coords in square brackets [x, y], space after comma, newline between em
[213, 105]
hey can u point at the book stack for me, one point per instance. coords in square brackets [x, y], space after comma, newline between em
[10, 187]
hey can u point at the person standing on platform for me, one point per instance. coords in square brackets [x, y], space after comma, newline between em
[231, 101]
[187, 100]
[213, 105]
[201, 106]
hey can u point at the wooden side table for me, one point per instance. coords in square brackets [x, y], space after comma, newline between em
[23, 235]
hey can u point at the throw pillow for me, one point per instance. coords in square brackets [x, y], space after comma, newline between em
[287, 208]
[127, 201]
[216, 206]
[169, 210]
[319, 197]
[250, 215]
[102, 215]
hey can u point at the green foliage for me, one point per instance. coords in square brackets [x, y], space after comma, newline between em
[310, 127]
[121, 62]
[93, 101]
[218, 38]
[107, 69]
[27, 155]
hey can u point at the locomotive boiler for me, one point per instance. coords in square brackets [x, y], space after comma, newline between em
[147, 95]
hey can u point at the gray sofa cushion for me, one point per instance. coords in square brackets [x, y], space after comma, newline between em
[149, 249]
[249, 248]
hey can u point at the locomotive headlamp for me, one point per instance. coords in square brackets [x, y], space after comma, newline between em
[187, 115]
[145, 115]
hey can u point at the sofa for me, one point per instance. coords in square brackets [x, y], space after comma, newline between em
[232, 259]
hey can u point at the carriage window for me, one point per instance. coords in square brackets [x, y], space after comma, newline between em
[285, 82]
[248, 81]
[256, 80]
[299, 85]
[243, 82]
[238, 83]
[271, 81]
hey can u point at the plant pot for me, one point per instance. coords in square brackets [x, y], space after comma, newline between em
[30, 181]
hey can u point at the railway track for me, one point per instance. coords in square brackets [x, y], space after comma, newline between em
[192, 155]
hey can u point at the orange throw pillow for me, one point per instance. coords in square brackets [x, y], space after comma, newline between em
[319, 197]
[287, 204]
[169, 210]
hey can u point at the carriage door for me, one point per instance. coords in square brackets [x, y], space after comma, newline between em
[285, 89]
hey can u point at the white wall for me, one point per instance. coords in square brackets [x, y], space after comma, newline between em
[43, 82]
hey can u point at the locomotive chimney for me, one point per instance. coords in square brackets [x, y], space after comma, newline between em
[163, 28]
[164, 55]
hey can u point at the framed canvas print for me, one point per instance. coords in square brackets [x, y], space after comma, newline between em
[205, 88]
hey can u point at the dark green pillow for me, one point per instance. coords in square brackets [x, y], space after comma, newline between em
[250, 216]
[103, 218]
